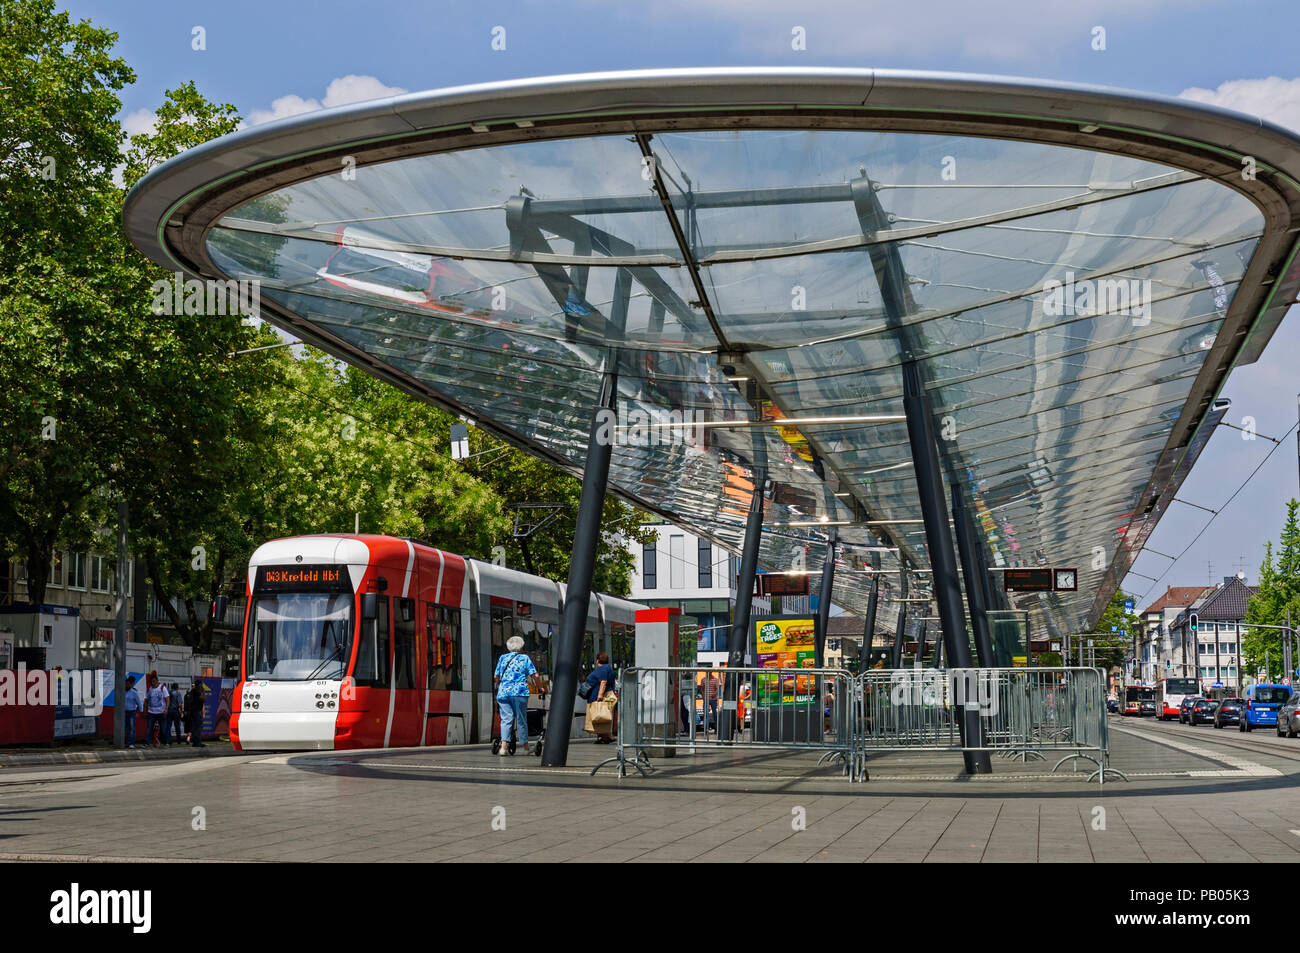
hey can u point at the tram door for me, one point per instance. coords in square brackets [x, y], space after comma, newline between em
[408, 700]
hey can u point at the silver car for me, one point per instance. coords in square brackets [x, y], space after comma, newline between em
[1288, 716]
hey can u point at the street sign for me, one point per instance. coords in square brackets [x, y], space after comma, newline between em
[1114, 628]
[1128, 605]
[459, 441]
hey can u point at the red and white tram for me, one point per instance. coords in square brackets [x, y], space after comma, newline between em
[357, 641]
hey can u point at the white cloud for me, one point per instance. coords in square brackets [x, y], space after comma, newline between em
[1274, 98]
[139, 122]
[340, 91]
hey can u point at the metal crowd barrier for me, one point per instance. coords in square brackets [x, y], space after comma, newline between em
[1023, 713]
[809, 710]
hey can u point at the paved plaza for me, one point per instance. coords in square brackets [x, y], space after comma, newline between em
[1193, 794]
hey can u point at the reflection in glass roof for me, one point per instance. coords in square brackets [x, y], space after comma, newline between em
[1061, 300]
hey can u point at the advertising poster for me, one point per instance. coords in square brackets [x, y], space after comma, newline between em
[782, 642]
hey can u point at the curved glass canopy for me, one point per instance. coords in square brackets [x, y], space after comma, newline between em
[1065, 303]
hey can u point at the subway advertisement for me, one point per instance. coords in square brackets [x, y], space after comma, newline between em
[785, 642]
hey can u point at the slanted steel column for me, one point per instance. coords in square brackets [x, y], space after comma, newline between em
[744, 597]
[970, 570]
[869, 627]
[586, 540]
[900, 626]
[824, 598]
[943, 562]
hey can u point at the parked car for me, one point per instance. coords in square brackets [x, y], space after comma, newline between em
[1288, 716]
[1203, 711]
[1262, 703]
[1229, 712]
[1112, 705]
[1184, 710]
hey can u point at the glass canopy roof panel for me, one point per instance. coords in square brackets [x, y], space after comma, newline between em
[1070, 258]
[586, 198]
[572, 304]
[504, 279]
[766, 190]
[1017, 347]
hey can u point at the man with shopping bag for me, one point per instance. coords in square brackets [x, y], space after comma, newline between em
[601, 700]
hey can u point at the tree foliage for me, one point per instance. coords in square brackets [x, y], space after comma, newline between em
[1278, 592]
[215, 451]
[1112, 648]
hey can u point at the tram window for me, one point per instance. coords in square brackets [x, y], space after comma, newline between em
[588, 651]
[372, 652]
[536, 646]
[443, 632]
[404, 643]
[621, 651]
[503, 621]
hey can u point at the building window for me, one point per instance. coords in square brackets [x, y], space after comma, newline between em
[733, 570]
[706, 564]
[650, 566]
[56, 569]
[77, 571]
[101, 574]
[677, 562]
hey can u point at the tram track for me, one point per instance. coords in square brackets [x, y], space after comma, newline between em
[1259, 747]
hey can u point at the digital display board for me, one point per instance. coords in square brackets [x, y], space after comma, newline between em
[1027, 580]
[779, 584]
[302, 579]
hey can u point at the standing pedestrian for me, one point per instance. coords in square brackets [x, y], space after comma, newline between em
[174, 714]
[131, 710]
[514, 674]
[598, 682]
[194, 714]
[711, 684]
[156, 701]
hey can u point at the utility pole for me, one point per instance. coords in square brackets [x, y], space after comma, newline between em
[1286, 651]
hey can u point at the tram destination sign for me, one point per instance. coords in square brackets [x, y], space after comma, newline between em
[1059, 579]
[302, 579]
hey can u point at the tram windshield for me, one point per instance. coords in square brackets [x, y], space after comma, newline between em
[299, 635]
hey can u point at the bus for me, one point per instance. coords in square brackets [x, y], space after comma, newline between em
[361, 641]
[1135, 696]
[1172, 693]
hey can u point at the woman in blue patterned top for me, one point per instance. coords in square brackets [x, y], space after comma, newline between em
[514, 674]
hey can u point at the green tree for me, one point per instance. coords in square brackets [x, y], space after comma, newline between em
[1278, 592]
[1112, 648]
[60, 337]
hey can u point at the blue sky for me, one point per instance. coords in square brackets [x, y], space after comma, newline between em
[274, 58]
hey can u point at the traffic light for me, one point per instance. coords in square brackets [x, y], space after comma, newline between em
[1192, 620]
